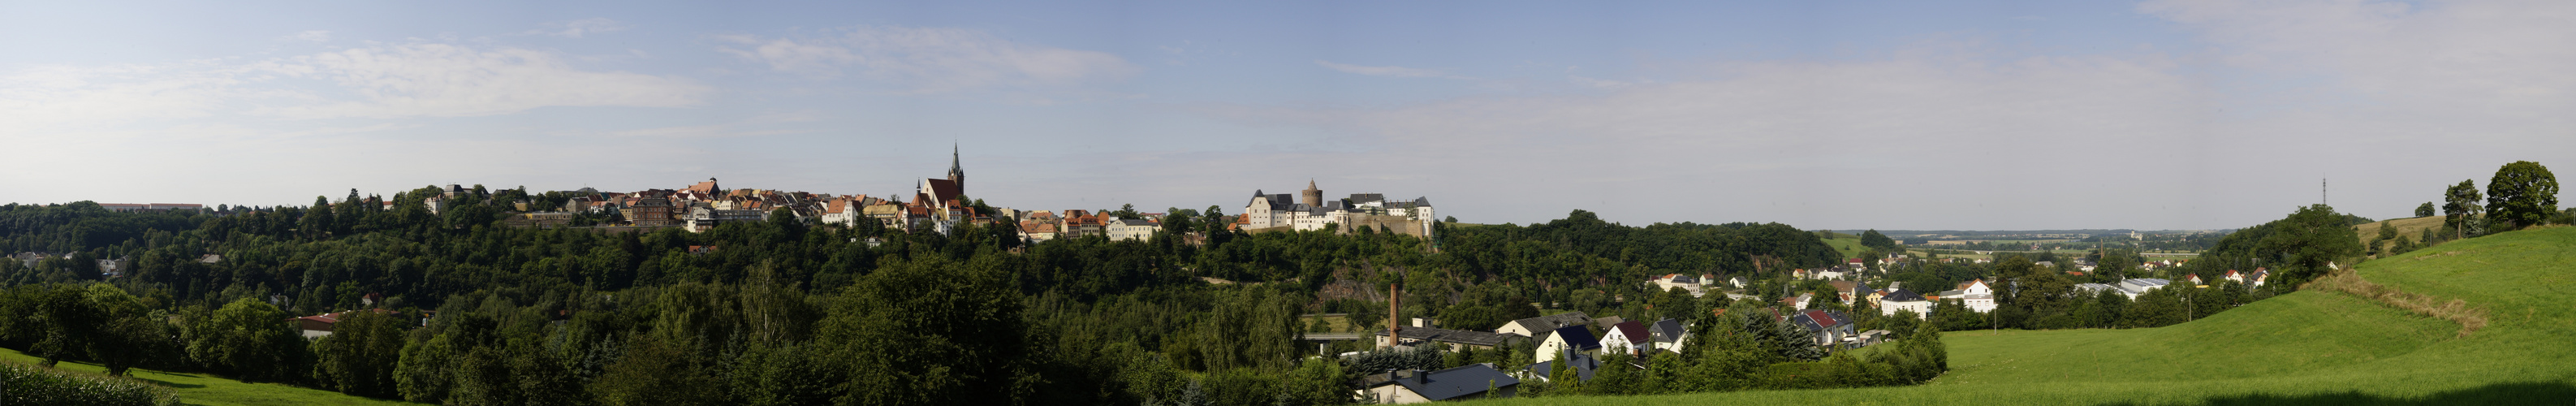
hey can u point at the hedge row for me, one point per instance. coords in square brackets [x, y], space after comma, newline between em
[22, 384]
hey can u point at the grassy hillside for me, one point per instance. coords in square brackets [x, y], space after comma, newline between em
[2410, 228]
[1848, 244]
[2310, 347]
[202, 389]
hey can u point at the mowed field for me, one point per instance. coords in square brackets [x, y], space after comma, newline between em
[2310, 347]
[1848, 244]
[2410, 228]
[205, 389]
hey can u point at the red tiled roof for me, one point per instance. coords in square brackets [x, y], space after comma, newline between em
[945, 189]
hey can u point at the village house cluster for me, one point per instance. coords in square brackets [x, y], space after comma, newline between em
[1570, 339]
[937, 204]
[941, 205]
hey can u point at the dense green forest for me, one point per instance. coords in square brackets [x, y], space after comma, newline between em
[788, 312]
[456, 308]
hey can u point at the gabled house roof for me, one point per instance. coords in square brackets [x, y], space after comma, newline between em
[1551, 322]
[1819, 320]
[1667, 330]
[1606, 321]
[1632, 330]
[1454, 383]
[1454, 336]
[1582, 364]
[1902, 295]
[1576, 337]
[944, 189]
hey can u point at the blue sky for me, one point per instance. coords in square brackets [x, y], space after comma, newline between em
[1896, 115]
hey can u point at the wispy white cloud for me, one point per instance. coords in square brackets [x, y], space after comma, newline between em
[1389, 71]
[929, 60]
[578, 28]
[441, 80]
[46, 97]
[453, 80]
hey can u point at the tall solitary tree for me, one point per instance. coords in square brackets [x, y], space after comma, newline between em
[2524, 193]
[2460, 204]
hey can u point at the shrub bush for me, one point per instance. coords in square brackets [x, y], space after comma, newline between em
[22, 384]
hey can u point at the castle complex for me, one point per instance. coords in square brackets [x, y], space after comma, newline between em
[1309, 211]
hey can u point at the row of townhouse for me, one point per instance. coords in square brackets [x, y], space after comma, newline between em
[1043, 225]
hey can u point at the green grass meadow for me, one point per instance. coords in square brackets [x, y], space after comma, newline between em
[2310, 347]
[210, 390]
[1848, 244]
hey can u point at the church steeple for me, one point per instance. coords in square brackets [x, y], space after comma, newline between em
[956, 172]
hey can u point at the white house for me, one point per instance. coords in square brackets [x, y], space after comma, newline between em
[1669, 335]
[1830, 327]
[1901, 299]
[1977, 296]
[1628, 336]
[1798, 303]
[1132, 229]
[1562, 339]
[1686, 282]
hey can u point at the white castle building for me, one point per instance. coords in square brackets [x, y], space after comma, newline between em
[1269, 212]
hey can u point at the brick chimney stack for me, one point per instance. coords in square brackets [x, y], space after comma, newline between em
[1392, 325]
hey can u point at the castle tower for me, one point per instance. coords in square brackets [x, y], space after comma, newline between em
[1311, 197]
[956, 173]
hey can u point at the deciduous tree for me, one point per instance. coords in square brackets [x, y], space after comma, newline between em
[2522, 194]
[2460, 205]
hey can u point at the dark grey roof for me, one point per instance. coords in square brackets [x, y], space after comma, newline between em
[1667, 330]
[1454, 336]
[1422, 202]
[1360, 198]
[1277, 202]
[1551, 322]
[1902, 295]
[1457, 382]
[1819, 320]
[1685, 279]
[1583, 365]
[1606, 321]
[1578, 337]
